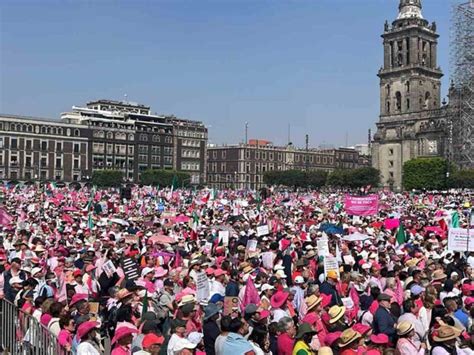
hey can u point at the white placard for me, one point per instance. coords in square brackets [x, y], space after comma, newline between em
[224, 237]
[251, 245]
[262, 230]
[202, 287]
[458, 239]
[330, 263]
[267, 260]
[348, 259]
[323, 247]
[109, 268]
[347, 302]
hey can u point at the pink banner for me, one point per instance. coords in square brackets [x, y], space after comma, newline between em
[361, 205]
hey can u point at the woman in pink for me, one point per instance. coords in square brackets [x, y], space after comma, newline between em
[122, 339]
[65, 336]
[405, 344]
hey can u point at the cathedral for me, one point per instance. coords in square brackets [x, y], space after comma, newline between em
[413, 121]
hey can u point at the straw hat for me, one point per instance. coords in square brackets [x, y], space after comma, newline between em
[404, 327]
[336, 313]
[325, 350]
[446, 332]
[312, 301]
[438, 275]
[348, 336]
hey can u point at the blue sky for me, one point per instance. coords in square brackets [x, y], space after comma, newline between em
[310, 63]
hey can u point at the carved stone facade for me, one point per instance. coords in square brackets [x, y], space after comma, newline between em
[412, 122]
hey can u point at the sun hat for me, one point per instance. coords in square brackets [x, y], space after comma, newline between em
[181, 344]
[219, 272]
[312, 301]
[195, 337]
[35, 270]
[336, 313]
[210, 310]
[380, 338]
[152, 339]
[348, 336]
[446, 332]
[266, 287]
[468, 301]
[303, 329]
[280, 274]
[122, 333]
[404, 327]
[123, 293]
[438, 275]
[147, 270]
[160, 272]
[278, 299]
[416, 290]
[186, 299]
[85, 328]
[78, 297]
[299, 280]
[325, 350]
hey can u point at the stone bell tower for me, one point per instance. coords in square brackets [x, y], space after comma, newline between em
[409, 92]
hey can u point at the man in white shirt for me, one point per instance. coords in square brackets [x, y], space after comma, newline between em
[411, 310]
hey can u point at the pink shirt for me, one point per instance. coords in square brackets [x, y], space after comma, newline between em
[64, 338]
[121, 350]
[285, 344]
[45, 318]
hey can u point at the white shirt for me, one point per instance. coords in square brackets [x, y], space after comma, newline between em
[86, 348]
[439, 350]
[279, 314]
[219, 344]
[171, 344]
[419, 329]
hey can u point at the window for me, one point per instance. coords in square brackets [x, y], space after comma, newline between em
[427, 99]
[168, 139]
[44, 162]
[143, 137]
[390, 163]
[59, 163]
[76, 133]
[390, 151]
[407, 87]
[398, 97]
[76, 163]
[13, 143]
[408, 104]
[388, 107]
[28, 162]
[155, 149]
[391, 174]
[155, 138]
[168, 160]
[28, 144]
[130, 150]
[14, 159]
[76, 148]
[44, 145]
[224, 154]
[168, 150]
[59, 146]
[75, 177]
[1, 142]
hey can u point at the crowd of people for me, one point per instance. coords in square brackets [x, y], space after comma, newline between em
[237, 272]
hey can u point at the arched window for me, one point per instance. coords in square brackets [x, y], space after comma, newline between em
[60, 131]
[388, 107]
[110, 135]
[53, 131]
[76, 133]
[400, 60]
[407, 87]
[387, 90]
[49, 130]
[13, 127]
[30, 128]
[427, 99]
[131, 137]
[398, 97]
[23, 127]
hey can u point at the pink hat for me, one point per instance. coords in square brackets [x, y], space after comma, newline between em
[78, 297]
[160, 272]
[468, 301]
[361, 328]
[209, 271]
[85, 328]
[122, 333]
[278, 299]
[219, 272]
[379, 338]
[284, 243]
[264, 313]
[331, 338]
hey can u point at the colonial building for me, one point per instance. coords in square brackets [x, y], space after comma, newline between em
[37, 149]
[243, 165]
[412, 121]
[104, 134]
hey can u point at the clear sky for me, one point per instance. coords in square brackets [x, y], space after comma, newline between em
[310, 63]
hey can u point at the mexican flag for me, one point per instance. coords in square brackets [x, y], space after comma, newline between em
[401, 235]
[455, 219]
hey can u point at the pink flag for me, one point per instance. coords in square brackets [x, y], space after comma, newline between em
[68, 219]
[250, 295]
[352, 314]
[399, 292]
[5, 218]
[391, 223]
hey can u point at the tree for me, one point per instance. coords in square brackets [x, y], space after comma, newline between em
[316, 178]
[161, 177]
[426, 173]
[354, 178]
[462, 179]
[107, 178]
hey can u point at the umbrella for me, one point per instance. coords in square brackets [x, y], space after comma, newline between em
[161, 239]
[356, 237]
[182, 219]
[119, 221]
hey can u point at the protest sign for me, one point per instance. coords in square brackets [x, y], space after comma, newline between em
[224, 237]
[109, 268]
[323, 247]
[251, 245]
[267, 260]
[458, 239]
[330, 263]
[262, 230]
[131, 239]
[202, 287]
[130, 269]
[229, 304]
[361, 205]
